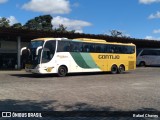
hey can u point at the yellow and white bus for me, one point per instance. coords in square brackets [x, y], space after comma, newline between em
[62, 56]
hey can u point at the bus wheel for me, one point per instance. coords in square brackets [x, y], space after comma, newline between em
[62, 71]
[142, 64]
[114, 69]
[121, 69]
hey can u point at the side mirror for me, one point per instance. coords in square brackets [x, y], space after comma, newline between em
[37, 50]
[24, 48]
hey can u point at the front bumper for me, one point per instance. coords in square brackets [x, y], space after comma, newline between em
[41, 70]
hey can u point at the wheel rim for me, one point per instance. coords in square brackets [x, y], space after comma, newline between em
[142, 64]
[62, 71]
[121, 69]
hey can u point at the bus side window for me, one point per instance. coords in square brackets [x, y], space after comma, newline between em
[92, 47]
[63, 46]
[66, 48]
[106, 48]
[103, 48]
[81, 48]
[142, 53]
[60, 46]
[75, 47]
[133, 50]
[116, 50]
[98, 49]
[158, 52]
[86, 47]
[111, 49]
[120, 49]
[129, 50]
[154, 52]
[145, 52]
[124, 49]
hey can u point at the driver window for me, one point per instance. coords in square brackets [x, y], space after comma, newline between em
[48, 51]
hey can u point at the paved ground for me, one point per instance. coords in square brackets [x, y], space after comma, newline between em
[137, 90]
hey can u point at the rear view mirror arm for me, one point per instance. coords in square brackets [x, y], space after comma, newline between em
[40, 47]
[23, 49]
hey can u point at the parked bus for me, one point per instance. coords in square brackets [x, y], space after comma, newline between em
[148, 57]
[62, 56]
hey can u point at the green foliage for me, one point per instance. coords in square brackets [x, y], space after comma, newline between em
[116, 33]
[17, 25]
[4, 22]
[40, 23]
[61, 28]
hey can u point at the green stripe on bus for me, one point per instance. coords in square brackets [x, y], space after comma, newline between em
[79, 60]
[89, 60]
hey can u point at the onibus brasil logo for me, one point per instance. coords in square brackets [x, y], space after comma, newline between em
[21, 114]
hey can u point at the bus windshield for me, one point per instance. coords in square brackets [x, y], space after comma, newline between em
[35, 44]
[32, 58]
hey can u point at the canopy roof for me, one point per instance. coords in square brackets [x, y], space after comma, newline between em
[26, 35]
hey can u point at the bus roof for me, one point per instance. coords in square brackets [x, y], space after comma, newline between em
[45, 39]
[101, 41]
[89, 40]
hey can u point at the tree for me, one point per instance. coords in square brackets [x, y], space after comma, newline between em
[44, 23]
[4, 22]
[116, 33]
[17, 25]
[32, 24]
[40, 23]
[61, 28]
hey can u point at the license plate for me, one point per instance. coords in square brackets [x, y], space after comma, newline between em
[28, 66]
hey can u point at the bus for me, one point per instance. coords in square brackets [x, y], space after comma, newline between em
[148, 57]
[62, 56]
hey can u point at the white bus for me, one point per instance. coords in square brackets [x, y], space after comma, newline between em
[148, 57]
[62, 56]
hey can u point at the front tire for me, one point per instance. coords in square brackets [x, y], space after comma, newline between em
[62, 71]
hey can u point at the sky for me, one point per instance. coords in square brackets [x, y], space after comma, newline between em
[134, 18]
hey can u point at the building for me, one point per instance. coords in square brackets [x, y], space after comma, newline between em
[12, 40]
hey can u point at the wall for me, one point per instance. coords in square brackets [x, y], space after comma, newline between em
[8, 54]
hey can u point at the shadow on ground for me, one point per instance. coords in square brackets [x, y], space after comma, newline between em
[82, 108]
[68, 75]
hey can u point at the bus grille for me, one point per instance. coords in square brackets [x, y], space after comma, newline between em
[131, 65]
